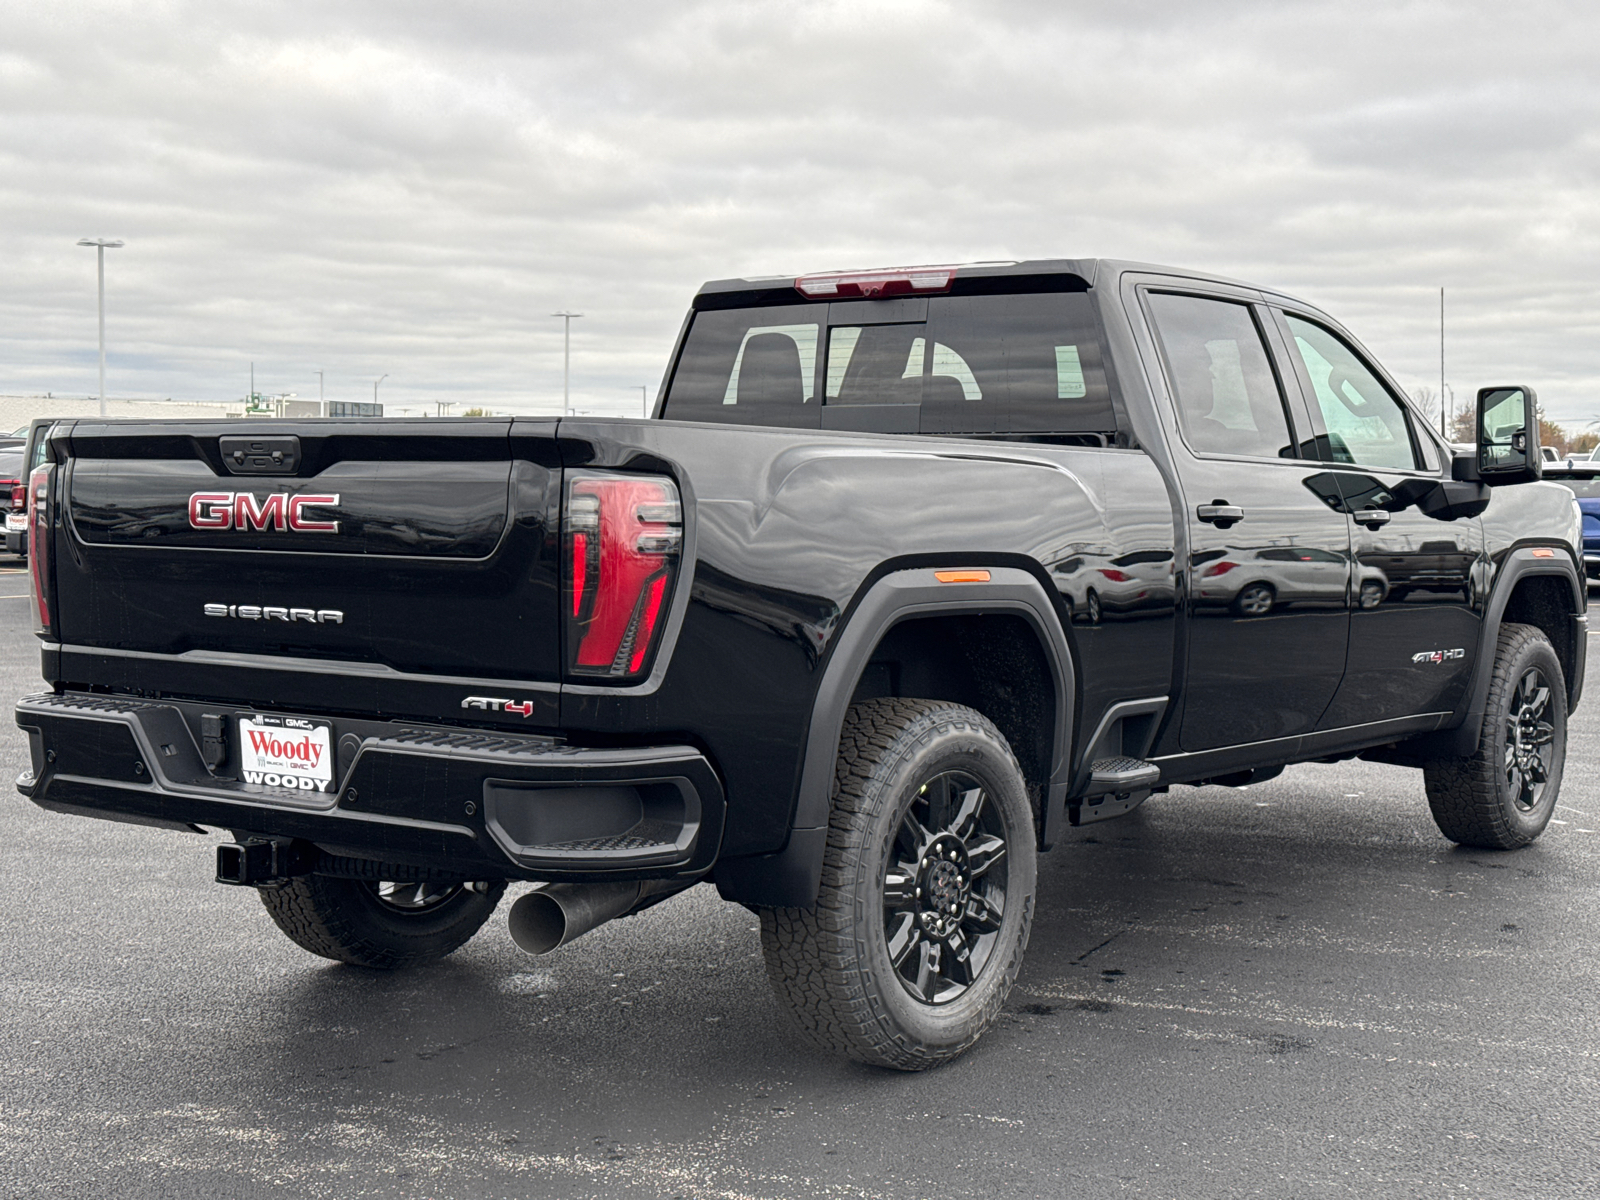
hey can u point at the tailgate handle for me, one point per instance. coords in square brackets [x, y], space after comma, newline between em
[260, 455]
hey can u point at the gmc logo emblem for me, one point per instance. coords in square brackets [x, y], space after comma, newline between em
[242, 511]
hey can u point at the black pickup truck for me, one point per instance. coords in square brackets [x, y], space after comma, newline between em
[911, 570]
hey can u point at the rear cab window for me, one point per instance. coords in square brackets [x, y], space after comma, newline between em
[982, 360]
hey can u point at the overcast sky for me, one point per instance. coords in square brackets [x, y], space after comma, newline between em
[410, 187]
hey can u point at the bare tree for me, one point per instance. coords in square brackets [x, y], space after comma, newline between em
[1427, 400]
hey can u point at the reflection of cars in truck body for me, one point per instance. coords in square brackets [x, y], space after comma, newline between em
[1432, 567]
[1098, 586]
[1262, 580]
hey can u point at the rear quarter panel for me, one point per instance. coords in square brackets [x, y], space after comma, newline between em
[789, 528]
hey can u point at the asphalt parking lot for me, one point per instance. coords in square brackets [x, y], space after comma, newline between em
[1292, 990]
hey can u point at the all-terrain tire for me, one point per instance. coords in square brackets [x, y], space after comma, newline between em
[347, 920]
[832, 964]
[1482, 800]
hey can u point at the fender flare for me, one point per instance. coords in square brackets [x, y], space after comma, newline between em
[790, 877]
[1520, 564]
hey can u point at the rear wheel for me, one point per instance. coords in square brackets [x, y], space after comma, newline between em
[1255, 600]
[381, 924]
[927, 889]
[1504, 795]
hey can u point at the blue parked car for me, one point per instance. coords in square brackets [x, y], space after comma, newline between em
[1582, 476]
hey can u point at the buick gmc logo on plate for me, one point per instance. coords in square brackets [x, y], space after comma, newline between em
[285, 752]
[243, 512]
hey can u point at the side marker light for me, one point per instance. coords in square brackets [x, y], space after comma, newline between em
[961, 576]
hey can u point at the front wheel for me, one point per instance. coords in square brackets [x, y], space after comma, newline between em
[927, 889]
[1504, 795]
[380, 924]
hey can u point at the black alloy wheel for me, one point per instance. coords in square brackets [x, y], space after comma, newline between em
[414, 897]
[944, 889]
[1530, 738]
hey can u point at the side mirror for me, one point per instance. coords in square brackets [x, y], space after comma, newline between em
[1508, 435]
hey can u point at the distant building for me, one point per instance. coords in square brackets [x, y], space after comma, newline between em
[334, 408]
[17, 411]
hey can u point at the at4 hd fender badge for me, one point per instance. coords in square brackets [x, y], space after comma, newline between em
[243, 512]
[499, 704]
[1437, 656]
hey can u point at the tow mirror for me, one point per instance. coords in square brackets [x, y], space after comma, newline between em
[1508, 435]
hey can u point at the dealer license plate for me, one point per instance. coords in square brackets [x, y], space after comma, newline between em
[17, 522]
[293, 753]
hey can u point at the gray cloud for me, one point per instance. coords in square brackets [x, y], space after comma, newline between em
[412, 188]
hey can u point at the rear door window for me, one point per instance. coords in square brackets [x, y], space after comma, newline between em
[1227, 394]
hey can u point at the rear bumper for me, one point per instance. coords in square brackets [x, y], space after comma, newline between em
[484, 805]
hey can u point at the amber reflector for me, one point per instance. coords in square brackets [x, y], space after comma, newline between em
[961, 576]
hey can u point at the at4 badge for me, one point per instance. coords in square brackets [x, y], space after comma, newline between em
[499, 704]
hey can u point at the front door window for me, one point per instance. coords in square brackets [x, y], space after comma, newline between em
[1366, 425]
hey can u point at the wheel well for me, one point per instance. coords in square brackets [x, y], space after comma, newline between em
[992, 662]
[1546, 602]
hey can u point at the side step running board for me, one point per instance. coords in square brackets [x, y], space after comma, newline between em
[1111, 775]
[1116, 786]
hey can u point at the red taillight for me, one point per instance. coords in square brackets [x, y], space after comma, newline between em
[19, 496]
[1115, 576]
[623, 538]
[896, 281]
[1221, 568]
[39, 544]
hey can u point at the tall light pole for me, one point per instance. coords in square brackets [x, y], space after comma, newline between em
[644, 398]
[375, 384]
[322, 408]
[1442, 432]
[566, 360]
[101, 245]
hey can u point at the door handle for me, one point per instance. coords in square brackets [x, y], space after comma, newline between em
[1220, 513]
[1372, 518]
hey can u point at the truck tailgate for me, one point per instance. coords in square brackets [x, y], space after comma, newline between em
[410, 548]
